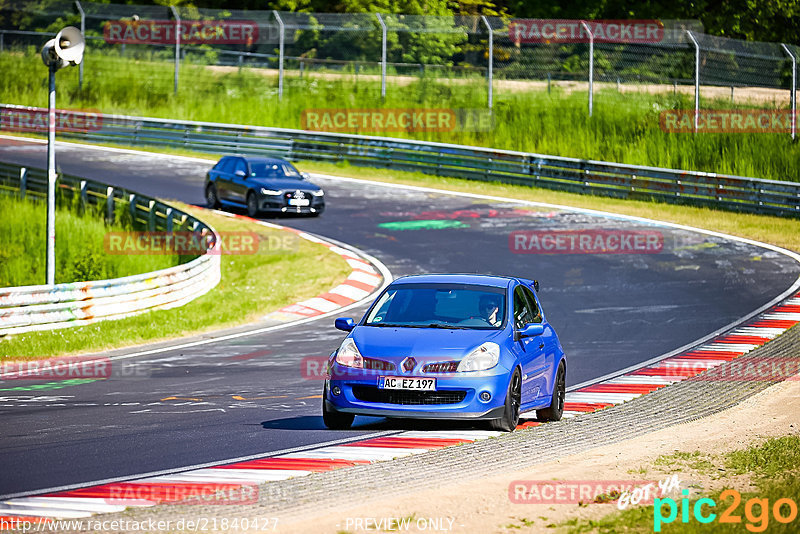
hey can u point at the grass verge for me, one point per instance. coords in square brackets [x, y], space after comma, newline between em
[251, 286]
[770, 470]
[625, 127]
[80, 257]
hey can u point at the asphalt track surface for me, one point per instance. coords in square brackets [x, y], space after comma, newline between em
[248, 396]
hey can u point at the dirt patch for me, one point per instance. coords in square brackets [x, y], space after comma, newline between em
[486, 507]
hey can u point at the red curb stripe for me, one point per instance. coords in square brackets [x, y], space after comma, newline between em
[775, 323]
[669, 372]
[736, 338]
[621, 388]
[586, 406]
[528, 424]
[341, 300]
[359, 285]
[300, 464]
[791, 308]
[151, 491]
[709, 355]
[408, 443]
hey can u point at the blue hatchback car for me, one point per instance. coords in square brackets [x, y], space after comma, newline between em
[448, 346]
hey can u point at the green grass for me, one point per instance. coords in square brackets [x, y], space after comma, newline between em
[624, 128]
[79, 252]
[774, 468]
[251, 286]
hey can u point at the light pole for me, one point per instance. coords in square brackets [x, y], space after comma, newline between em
[66, 49]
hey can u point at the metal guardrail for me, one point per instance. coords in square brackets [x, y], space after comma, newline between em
[720, 191]
[46, 307]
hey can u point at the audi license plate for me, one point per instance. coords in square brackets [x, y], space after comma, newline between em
[399, 382]
[299, 202]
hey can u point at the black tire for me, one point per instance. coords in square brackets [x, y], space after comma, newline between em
[212, 200]
[335, 420]
[556, 408]
[252, 205]
[510, 418]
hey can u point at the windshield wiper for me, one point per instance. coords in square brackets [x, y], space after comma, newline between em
[446, 326]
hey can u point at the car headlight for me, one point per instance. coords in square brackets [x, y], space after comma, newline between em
[265, 191]
[318, 193]
[484, 357]
[348, 355]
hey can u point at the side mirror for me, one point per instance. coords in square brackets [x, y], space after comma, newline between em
[536, 285]
[344, 323]
[240, 173]
[531, 330]
[305, 176]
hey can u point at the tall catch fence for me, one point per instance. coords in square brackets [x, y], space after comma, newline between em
[605, 59]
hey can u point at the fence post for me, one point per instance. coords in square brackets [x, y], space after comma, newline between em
[793, 96]
[177, 44]
[383, 55]
[280, 53]
[696, 79]
[83, 32]
[491, 57]
[591, 65]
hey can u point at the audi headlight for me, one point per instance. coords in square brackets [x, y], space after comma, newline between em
[348, 355]
[318, 193]
[484, 357]
[272, 192]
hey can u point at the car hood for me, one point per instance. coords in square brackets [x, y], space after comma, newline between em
[425, 344]
[288, 184]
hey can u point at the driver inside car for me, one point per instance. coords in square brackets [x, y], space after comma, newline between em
[488, 308]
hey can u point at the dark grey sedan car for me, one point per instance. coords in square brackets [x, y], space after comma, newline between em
[262, 185]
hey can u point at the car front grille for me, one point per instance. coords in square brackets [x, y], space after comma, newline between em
[405, 397]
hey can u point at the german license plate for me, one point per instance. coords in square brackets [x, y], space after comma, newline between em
[299, 202]
[399, 382]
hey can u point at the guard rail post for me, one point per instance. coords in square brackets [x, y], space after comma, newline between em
[280, 52]
[591, 65]
[491, 57]
[696, 79]
[793, 96]
[383, 55]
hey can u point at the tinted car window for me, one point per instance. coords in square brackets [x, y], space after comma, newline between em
[273, 170]
[522, 309]
[537, 316]
[225, 165]
[240, 166]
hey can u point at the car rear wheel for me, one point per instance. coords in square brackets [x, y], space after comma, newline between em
[510, 418]
[252, 204]
[556, 408]
[335, 420]
[212, 200]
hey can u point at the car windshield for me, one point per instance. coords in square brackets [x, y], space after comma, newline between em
[456, 306]
[273, 170]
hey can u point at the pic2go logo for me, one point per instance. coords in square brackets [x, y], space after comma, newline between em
[756, 511]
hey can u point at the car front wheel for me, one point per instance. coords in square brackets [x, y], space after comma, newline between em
[252, 205]
[212, 200]
[510, 418]
[335, 420]
[556, 408]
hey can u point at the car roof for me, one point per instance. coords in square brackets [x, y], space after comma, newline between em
[479, 279]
